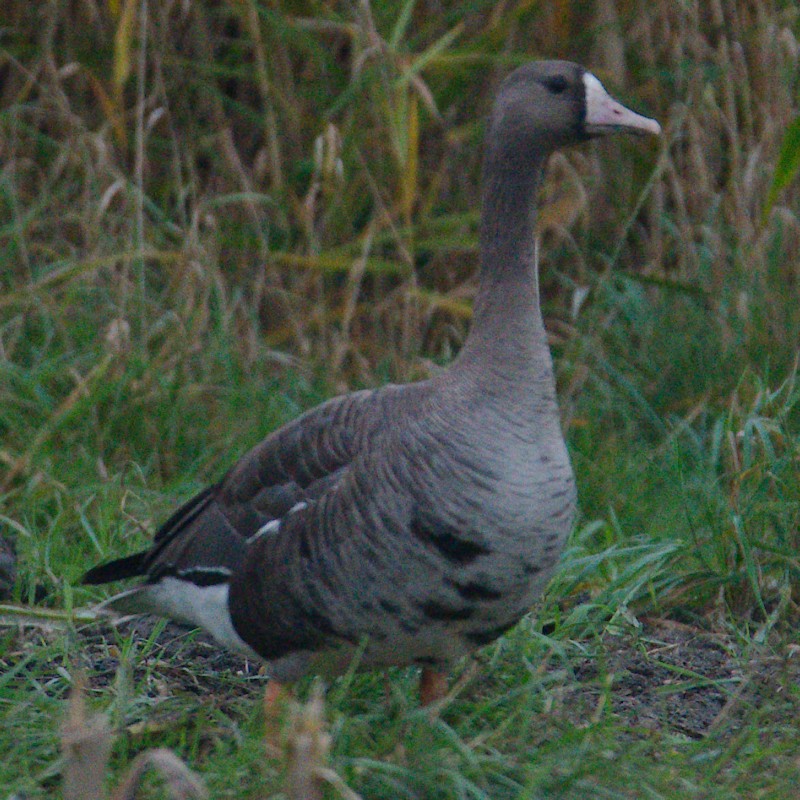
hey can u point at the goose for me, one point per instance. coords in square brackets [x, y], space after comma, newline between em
[408, 524]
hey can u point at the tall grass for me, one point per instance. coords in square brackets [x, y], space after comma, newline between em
[195, 194]
[213, 215]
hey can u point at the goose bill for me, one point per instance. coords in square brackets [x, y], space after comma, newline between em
[605, 115]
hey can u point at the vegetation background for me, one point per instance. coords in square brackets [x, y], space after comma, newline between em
[216, 214]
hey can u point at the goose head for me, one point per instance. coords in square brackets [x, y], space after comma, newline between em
[547, 105]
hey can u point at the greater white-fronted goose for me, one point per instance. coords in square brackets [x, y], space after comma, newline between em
[408, 524]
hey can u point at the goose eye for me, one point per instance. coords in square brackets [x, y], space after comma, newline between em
[556, 84]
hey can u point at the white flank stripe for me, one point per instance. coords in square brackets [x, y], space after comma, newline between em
[203, 606]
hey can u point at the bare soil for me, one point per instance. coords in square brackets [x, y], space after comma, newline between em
[666, 676]
[669, 675]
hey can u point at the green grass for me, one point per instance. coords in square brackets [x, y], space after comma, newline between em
[528, 725]
[170, 292]
[659, 538]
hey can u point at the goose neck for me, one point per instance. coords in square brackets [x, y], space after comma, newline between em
[508, 222]
[507, 325]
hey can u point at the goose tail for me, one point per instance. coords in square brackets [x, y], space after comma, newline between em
[116, 570]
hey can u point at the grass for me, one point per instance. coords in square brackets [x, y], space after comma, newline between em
[214, 216]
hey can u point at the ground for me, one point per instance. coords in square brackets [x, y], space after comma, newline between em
[663, 674]
[625, 713]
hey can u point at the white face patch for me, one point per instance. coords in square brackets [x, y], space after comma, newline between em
[605, 115]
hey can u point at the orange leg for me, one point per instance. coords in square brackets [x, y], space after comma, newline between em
[432, 686]
[275, 695]
[276, 700]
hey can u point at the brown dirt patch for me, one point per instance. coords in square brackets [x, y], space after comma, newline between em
[663, 676]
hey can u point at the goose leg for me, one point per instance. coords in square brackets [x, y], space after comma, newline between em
[432, 686]
[276, 700]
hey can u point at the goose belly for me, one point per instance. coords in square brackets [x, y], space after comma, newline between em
[445, 603]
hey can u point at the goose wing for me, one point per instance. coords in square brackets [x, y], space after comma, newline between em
[205, 540]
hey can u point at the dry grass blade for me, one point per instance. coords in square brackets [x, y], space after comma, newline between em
[13, 615]
[40, 290]
[86, 745]
[182, 783]
[82, 390]
[308, 748]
